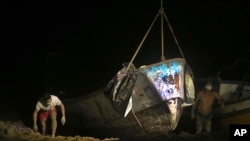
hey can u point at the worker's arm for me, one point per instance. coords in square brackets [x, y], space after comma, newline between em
[35, 113]
[194, 106]
[63, 120]
[221, 100]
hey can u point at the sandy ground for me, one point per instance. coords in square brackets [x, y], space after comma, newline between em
[17, 131]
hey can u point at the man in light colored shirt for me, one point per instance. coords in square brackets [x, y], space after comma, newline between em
[46, 106]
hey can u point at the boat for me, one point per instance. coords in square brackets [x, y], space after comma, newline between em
[138, 101]
[237, 100]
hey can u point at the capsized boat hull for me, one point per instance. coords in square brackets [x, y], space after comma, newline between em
[150, 111]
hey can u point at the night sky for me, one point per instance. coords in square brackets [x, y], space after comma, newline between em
[77, 46]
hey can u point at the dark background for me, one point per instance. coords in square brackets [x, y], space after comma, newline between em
[77, 46]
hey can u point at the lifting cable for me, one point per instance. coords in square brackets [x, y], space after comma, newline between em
[163, 14]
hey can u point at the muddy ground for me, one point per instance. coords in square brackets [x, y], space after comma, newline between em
[17, 131]
[16, 125]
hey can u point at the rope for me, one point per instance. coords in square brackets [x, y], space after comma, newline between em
[161, 11]
[175, 39]
[145, 36]
[138, 121]
[163, 14]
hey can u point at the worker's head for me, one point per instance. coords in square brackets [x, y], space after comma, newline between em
[208, 86]
[47, 98]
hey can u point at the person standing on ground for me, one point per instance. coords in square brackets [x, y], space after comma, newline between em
[203, 106]
[46, 106]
